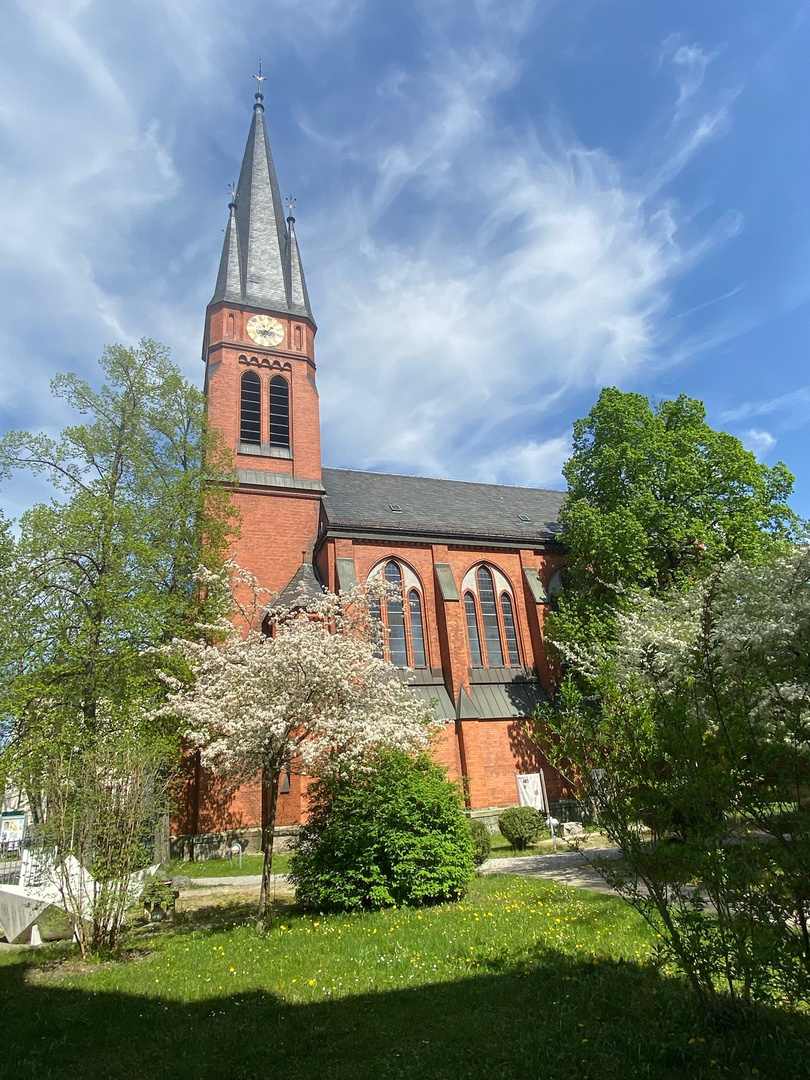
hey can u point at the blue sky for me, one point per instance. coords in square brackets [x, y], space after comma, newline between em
[502, 207]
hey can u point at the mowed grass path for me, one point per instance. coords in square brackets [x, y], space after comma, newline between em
[523, 979]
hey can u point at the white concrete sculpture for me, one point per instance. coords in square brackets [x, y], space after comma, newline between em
[43, 884]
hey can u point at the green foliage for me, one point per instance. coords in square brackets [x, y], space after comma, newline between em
[395, 834]
[104, 795]
[105, 570]
[521, 825]
[658, 498]
[481, 841]
[693, 742]
[156, 891]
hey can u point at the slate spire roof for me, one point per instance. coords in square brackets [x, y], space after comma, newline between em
[261, 263]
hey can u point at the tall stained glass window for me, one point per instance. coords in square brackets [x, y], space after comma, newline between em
[472, 630]
[510, 630]
[417, 628]
[397, 644]
[489, 615]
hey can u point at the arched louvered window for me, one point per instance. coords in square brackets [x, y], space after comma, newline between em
[472, 630]
[510, 632]
[417, 628]
[489, 615]
[279, 411]
[404, 625]
[250, 428]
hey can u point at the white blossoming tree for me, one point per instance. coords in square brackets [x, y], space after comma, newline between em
[307, 692]
[694, 743]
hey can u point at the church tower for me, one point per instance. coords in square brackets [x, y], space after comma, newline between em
[260, 372]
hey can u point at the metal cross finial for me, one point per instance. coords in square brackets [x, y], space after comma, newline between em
[232, 192]
[260, 78]
[290, 206]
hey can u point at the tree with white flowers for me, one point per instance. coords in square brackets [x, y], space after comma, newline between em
[308, 692]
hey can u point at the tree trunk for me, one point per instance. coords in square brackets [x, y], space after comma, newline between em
[270, 780]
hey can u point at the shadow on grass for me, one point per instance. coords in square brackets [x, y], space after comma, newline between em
[553, 1019]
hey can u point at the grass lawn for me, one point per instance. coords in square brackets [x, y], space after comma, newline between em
[524, 979]
[251, 864]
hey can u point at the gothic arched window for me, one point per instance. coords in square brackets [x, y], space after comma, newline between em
[404, 624]
[417, 629]
[489, 614]
[510, 631]
[493, 614]
[250, 428]
[279, 411]
[472, 630]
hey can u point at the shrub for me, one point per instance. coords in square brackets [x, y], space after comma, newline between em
[396, 834]
[521, 825]
[481, 841]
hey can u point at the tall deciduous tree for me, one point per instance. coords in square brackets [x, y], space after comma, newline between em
[312, 696]
[105, 569]
[657, 498]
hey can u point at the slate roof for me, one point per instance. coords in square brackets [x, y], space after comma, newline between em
[260, 264]
[301, 588]
[361, 502]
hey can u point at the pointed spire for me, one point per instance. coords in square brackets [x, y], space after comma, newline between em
[229, 278]
[299, 297]
[260, 258]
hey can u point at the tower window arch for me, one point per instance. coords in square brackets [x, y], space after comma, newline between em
[279, 411]
[490, 614]
[401, 615]
[250, 427]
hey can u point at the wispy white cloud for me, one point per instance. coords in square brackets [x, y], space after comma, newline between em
[689, 63]
[529, 463]
[759, 441]
[550, 271]
[796, 402]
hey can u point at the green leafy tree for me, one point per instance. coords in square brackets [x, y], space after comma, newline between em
[658, 498]
[106, 569]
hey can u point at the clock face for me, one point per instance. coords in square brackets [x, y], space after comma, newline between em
[265, 330]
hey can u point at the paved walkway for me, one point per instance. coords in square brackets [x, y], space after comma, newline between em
[567, 867]
[242, 880]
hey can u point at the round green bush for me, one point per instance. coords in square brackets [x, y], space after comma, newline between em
[395, 834]
[481, 841]
[521, 825]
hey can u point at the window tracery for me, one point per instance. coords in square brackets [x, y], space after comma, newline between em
[401, 615]
[492, 633]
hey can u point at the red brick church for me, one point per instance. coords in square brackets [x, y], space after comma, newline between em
[476, 563]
